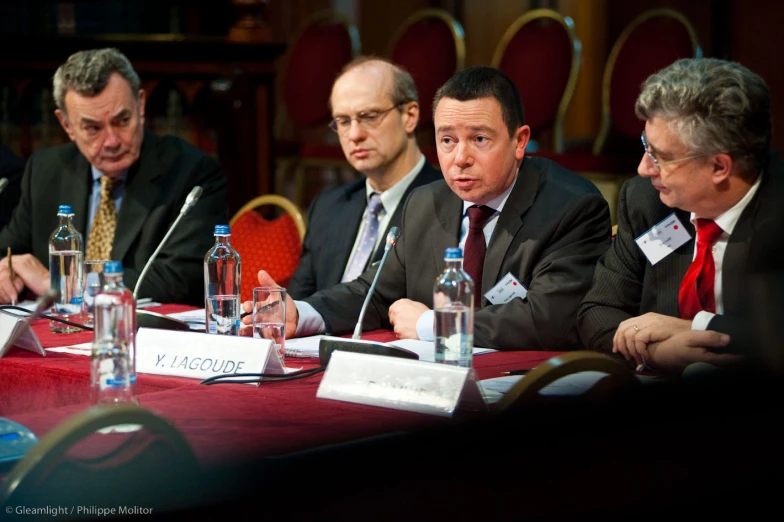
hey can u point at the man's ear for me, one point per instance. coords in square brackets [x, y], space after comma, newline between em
[521, 137]
[722, 167]
[64, 123]
[411, 110]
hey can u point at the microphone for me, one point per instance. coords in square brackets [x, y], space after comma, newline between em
[151, 319]
[329, 344]
[3, 184]
[44, 302]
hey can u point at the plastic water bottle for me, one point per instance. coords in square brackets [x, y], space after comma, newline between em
[222, 269]
[453, 302]
[113, 372]
[65, 271]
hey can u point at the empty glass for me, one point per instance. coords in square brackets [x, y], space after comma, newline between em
[93, 282]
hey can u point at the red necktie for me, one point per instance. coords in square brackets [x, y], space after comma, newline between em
[697, 291]
[475, 247]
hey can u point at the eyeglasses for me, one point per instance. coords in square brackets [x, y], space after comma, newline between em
[367, 119]
[659, 164]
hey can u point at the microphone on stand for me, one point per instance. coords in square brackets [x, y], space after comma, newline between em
[329, 344]
[3, 184]
[152, 319]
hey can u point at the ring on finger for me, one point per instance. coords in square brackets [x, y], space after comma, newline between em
[636, 329]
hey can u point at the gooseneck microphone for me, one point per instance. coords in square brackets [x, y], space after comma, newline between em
[392, 236]
[3, 184]
[328, 344]
[191, 200]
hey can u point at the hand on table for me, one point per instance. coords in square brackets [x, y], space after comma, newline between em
[292, 315]
[29, 272]
[404, 314]
[633, 335]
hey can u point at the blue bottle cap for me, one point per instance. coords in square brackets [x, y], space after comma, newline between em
[65, 209]
[453, 253]
[222, 230]
[113, 267]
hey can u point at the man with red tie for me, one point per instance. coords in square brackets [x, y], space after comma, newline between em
[670, 291]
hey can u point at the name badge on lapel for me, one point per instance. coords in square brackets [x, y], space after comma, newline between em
[663, 238]
[506, 289]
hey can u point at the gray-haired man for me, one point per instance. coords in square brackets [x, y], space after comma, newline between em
[126, 187]
[672, 289]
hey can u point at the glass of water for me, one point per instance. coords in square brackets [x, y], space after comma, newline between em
[269, 316]
[93, 282]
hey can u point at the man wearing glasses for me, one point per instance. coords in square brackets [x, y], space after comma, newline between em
[375, 114]
[669, 291]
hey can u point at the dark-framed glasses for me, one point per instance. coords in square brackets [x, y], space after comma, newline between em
[367, 119]
[659, 164]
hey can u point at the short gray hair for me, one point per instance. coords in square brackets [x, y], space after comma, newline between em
[87, 73]
[714, 106]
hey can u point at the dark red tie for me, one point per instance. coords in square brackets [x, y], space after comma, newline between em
[697, 292]
[475, 247]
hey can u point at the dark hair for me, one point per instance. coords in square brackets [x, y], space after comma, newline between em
[485, 82]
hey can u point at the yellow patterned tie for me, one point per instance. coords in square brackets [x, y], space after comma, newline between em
[99, 244]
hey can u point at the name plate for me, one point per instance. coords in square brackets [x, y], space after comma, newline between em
[200, 355]
[15, 331]
[401, 384]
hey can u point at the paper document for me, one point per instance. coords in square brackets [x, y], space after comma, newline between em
[426, 350]
[195, 319]
[303, 346]
[27, 305]
[76, 349]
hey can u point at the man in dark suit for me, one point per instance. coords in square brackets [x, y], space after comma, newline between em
[11, 168]
[376, 112]
[126, 187]
[704, 173]
[544, 227]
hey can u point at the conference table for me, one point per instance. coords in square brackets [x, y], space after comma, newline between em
[223, 423]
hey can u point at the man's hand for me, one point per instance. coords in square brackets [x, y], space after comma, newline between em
[292, 315]
[632, 337]
[404, 314]
[681, 349]
[28, 272]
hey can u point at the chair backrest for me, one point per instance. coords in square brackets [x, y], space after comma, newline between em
[525, 391]
[430, 44]
[542, 55]
[272, 245]
[652, 41]
[325, 42]
[78, 464]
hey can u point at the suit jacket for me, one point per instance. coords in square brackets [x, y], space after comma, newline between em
[553, 228]
[156, 188]
[626, 285]
[333, 225]
[11, 168]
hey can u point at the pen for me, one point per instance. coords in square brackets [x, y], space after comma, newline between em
[516, 372]
[11, 273]
[262, 309]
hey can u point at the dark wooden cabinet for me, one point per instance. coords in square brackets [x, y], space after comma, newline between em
[218, 95]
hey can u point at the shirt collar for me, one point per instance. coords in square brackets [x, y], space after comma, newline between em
[729, 218]
[392, 197]
[496, 204]
[97, 174]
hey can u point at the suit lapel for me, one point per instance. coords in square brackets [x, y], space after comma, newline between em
[509, 223]
[75, 190]
[141, 191]
[449, 214]
[342, 239]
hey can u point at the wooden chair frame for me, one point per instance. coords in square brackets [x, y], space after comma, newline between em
[274, 199]
[458, 34]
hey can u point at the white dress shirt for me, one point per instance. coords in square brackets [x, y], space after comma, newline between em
[726, 221]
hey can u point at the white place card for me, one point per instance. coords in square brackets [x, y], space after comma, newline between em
[401, 384]
[16, 331]
[201, 355]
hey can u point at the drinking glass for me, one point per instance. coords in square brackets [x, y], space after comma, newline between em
[93, 282]
[269, 316]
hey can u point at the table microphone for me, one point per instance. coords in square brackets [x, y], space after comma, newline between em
[3, 184]
[329, 344]
[151, 319]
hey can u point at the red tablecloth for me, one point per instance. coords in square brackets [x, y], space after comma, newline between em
[223, 423]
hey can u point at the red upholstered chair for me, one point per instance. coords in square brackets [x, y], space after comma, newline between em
[430, 44]
[541, 53]
[650, 42]
[272, 245]
[324, 44]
